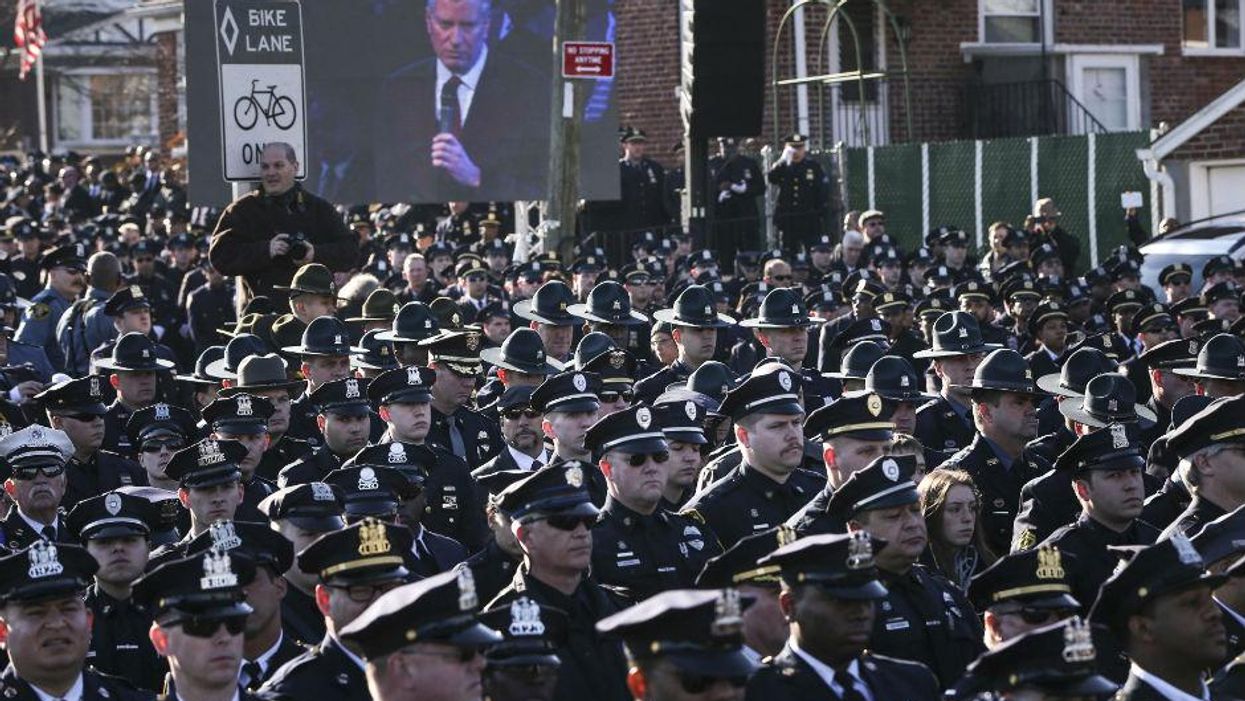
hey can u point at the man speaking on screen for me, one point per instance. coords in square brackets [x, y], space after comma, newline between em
[469, 123]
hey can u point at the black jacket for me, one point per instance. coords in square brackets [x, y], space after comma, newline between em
[324, 671]
[119, 641]
[787, 677]
[746, 502]
[95, 685]
[1088, 562]
[641, 556]
[999, 488]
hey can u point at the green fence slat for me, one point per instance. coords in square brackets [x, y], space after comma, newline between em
[951, 185]
[897, 191]
[1005, 187]
[1062, 171]
[857, 176]
[1118, 170]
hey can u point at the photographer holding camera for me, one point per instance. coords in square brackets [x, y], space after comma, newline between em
[264, 236]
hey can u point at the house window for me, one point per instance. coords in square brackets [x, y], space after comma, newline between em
[1011, 21]
[1212, 25]
[100, 108]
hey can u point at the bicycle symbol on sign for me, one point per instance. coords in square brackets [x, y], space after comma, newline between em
[278, 109]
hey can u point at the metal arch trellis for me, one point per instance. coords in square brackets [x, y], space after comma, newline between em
[831, 78]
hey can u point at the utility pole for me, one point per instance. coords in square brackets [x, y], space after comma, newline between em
[566, 104]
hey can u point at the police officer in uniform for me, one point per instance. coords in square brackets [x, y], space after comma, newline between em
[115, 528]
[923, 618]
[1060, 660]
[35, 458]
[65, 267]
[355, 566]
[210, 486]
[325, 349]
[200, 615]
[946, 424]
[641, 182]
[696, 325]
[1213, 426]
[135, 365]
[267, 376]
[456, 427]
[24, 268]
[782, 327]
[831, 596]
[638, 547]
[343, 417]
[74, 407]
[494, 566]
[803, 193]
[243, 419]
[768, 486]
[54, 577]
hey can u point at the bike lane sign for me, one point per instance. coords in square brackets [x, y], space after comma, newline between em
[259, 50]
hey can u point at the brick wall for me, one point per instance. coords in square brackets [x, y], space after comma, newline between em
[1223, 139]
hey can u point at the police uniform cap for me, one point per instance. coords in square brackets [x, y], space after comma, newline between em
[1208, 328]
[1219, 422]
[324, 336]
[208, 584]
[894, 378]
[713, 380]
[861, 415]
[346, 397]
[468, 265]
[458, 350]
[411, 384]
[111, 515]
[1123, 301]
[414, 322]
[1108, 398]
[206, 463]
[1034, 578]
[700, 631]
[166, 512]
[371, 490]
[633, 430]
[258, 373]
[1003, 370]
[1174, 273]
[72, 257]
[882, 484]
[442, 608]
[532, 633]
[1152, 318]
[1217, 264]
[570, 391]
[1170, 566]
[381, 305]
[1224, 537]
[311, 506]
[1174, 353]
[522, 351]
[134, 352]
[771, 389]
[694, 307]
[412, 461]
[892, 299]
[1222, 357]
[1189, 307]
[239, 414]
[125, 299]
[932, 306]
[83, 395]
[378, 353]
[366, 552]
[257, 541]
[1102, 342]
[239, 348]
[553, 489]
[493, 310]
[1114, 446]
[45, 570]
[400, 240]
[840, 564]
[1044, 312]
[955, 333]
[549, 305]
[1220, 291]
[782, 307]
[737, 565]
[681, 415]
[514, 397]
[35, 446]
[608, 303]
[615, 366]
[311, 279]
[856, 362]
[1060, 660]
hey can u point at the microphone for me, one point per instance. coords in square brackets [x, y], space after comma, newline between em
[445, 119]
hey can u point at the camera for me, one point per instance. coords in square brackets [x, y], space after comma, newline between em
[298, 246]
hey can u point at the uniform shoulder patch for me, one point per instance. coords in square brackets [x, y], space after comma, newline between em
[1026, 540]
[38, 311]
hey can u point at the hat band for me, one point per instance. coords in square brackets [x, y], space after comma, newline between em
[359, 564]
[113, 522]
[863, 504]
[571, 397]
[868, 426]
[760, 574]
[772, 399]
[630, 439]
[1031, 589]
[456, 359]
[1233, 433]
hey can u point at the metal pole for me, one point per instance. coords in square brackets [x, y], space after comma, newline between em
[41, 102]
[564, 132]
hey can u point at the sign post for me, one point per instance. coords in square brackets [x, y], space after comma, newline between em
[259, 51]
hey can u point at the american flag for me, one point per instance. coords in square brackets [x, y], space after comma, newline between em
[28, 33]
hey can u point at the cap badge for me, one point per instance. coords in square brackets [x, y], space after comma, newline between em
[224, 537]
[397, 454]
[412, 375]
[210, 453]
[904, 381]
[162, 412]
[112, 503]
[1185, 550]
[36, 434]
[367, 480]
[643, 417]
[352, 388]
[708, 309]
[43, 560]
[890, 468]
[786, 535]
[1119, 439]
[875, 324]
[217, 571]
[618, 358]
[95, 390]
[1050, 563]
[467, 599]
[859, 551]
[689, 408]
[244, 406]
[874, 404]
[1078, 641]
[575, 477]
[1113, 405]
[795, 309]
[784, 379]
[963, 332]
[373, 540]
[473, 342]
[617, 305]
[580, 382]
[727, 620]
[138, 292]
[525, 618]
[1240, 361]
[322, 492]
[146, 353]
[1193, 347]
[427, 323]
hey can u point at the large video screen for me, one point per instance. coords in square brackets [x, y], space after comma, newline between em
[410, 100]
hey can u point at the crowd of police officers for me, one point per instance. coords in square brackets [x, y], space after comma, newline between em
[289, 451]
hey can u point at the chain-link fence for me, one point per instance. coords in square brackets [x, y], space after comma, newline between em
[971, 184]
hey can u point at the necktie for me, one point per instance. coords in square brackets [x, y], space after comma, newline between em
[456, 437]
[254, 674]
[537, 464]
[451, 118]
[49, 533]
[850, 691]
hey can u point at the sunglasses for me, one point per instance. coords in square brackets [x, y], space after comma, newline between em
[1034, 616]
[609, 397]
[462, 655]
[700, 683]
[363, 593]
[570, 523]
[781, 278]
[206, 626]
[474, 278]
[638, 459]
[528, 673]
[516, 413]
[157, 446]
[29, 473]
[1179, 280]
[82, 417]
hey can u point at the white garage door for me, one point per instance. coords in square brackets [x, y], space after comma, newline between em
[1227, 188]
